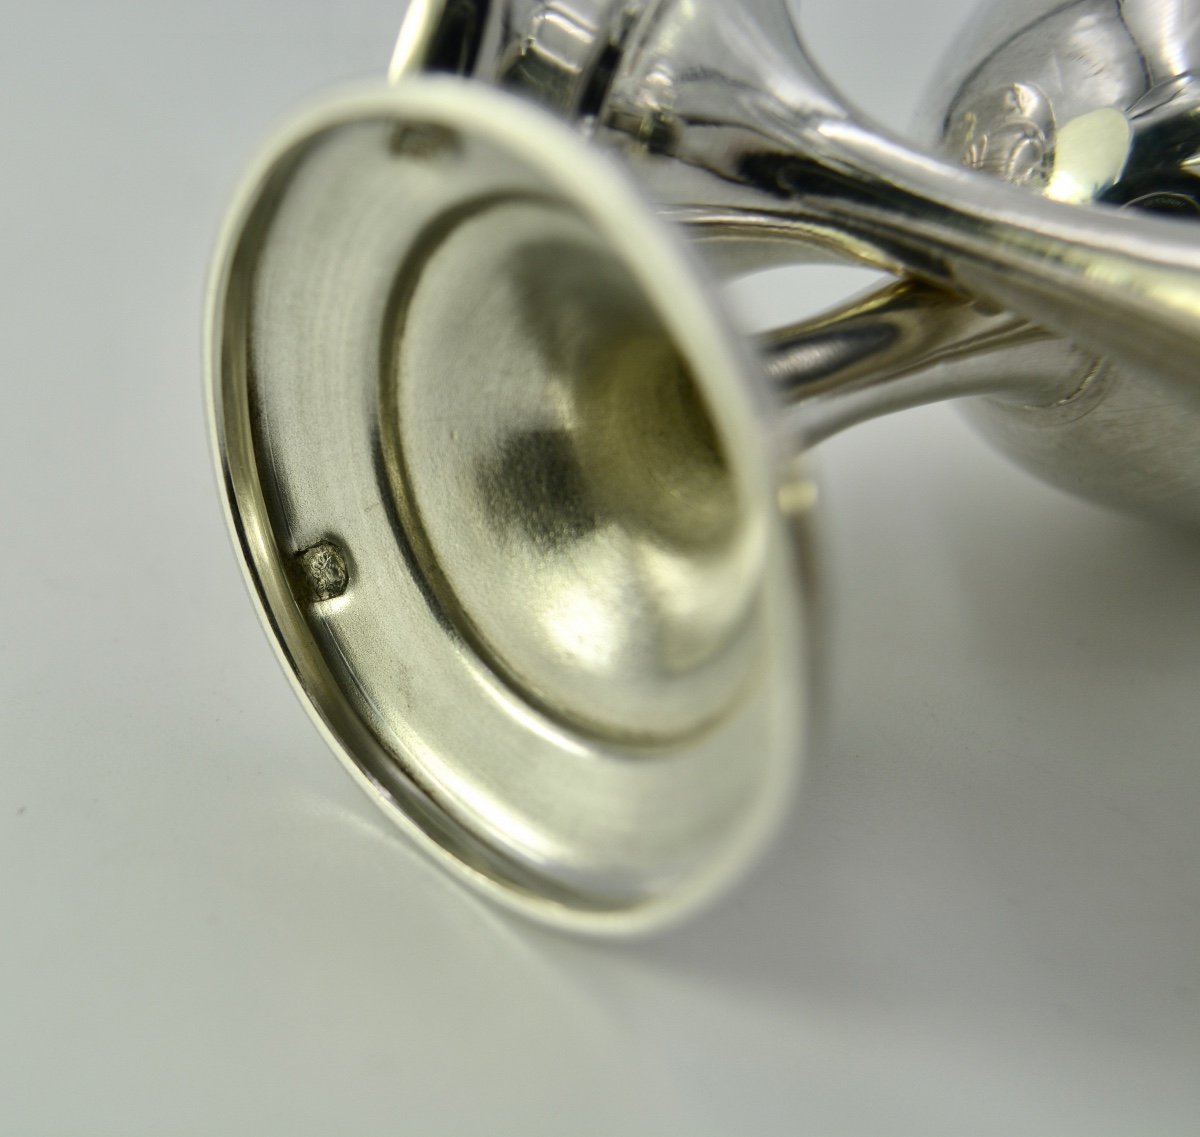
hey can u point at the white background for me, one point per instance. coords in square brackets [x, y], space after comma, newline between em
[983, 918]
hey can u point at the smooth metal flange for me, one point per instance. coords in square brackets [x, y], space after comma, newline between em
[501, 479]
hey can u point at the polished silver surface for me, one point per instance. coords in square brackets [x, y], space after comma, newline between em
[981, 919]
[527, 517]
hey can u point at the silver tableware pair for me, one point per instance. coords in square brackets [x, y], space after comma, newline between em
[528, 520]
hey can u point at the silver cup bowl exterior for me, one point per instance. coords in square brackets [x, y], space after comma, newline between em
[1097, 103]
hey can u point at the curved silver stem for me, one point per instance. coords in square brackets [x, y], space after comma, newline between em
[906, 345]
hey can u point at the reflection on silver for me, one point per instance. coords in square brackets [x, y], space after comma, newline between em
[569, 643]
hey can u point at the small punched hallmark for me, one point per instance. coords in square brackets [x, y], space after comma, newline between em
[423, 141]
[323, 572]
